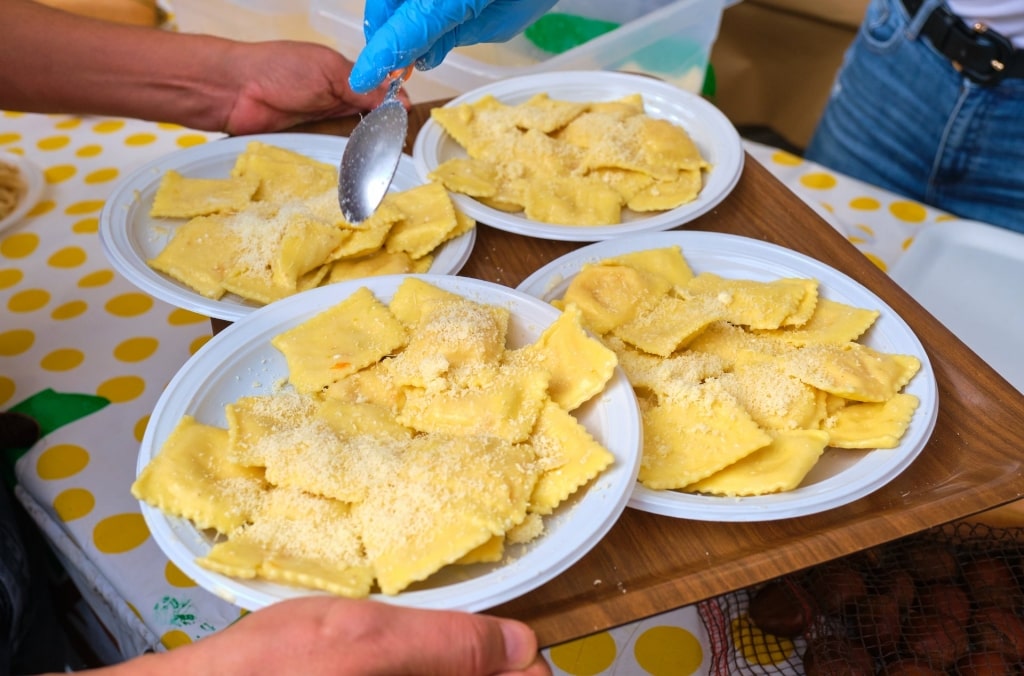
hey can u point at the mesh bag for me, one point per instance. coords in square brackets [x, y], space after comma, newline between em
[948, 601]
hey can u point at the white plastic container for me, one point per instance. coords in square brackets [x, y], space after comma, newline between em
[249, 20]
[669, 40]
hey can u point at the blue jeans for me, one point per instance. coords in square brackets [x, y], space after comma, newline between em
[900, 117]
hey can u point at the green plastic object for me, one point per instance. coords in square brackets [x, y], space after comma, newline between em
[556, 33]
[710, 85]
[51, 410]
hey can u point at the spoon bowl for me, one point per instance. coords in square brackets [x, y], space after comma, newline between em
[371, 156]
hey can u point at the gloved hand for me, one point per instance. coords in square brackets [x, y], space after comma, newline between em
[402, 32]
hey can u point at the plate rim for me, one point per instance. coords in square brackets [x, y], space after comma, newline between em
[257, 593]
[35, 182]
[430, 136]
[767, 507]
[114, 222]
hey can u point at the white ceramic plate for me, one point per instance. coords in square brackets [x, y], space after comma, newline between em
[34, 184]
[970, 276]
[711, 130]
[240, 361]
[840, 476]
[130, 236]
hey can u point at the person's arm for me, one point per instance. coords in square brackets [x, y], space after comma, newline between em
[53, 61]
[331, 635]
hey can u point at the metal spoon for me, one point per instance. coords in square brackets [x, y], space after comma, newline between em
[371, 155]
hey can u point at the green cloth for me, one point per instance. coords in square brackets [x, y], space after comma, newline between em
[52, 410]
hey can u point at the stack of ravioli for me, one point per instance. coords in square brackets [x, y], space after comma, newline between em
[742, 384]
[408, 438]
[274, 228]
[569, 162]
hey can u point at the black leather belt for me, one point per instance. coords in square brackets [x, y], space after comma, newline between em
[981, 54]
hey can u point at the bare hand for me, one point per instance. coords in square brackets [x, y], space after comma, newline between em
[330, 635]
[286, 83]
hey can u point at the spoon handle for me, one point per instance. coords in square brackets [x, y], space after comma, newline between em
[398, 78]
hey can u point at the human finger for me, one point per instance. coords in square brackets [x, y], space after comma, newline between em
[443, 642]
[376, 13]
[499, 21]
[407, 35]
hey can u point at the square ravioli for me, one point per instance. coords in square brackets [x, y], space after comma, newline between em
[357, 332]
[743, 383]
[399, 446]
[273, 228]
[567, 162]
[180, 196]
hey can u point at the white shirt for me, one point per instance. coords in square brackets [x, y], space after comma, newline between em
[1004, 16]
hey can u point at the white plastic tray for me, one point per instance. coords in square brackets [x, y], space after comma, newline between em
[970, 275]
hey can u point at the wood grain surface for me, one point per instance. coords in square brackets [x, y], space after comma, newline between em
[649, 563]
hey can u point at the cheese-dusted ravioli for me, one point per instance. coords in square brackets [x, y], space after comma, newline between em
[192, 477]
[671, 323]
[871, 425]
[441, 512]
[610, 294]
[569, 456]
[506, 407]
[743, 384]
[830, 322]
[853, 371]
[300, 539]
[283, 174]
[403, 442]
[567, 162]
[273, 228]
[751, 303]
[667, 262]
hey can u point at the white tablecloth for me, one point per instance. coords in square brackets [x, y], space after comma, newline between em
[69, 323]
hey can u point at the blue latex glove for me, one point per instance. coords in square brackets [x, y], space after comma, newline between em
[403, 32]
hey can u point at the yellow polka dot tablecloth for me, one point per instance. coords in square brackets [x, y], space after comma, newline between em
[879, 223]
[87, 354]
